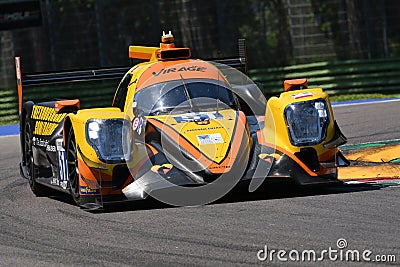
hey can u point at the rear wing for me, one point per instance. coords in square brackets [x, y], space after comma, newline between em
[239, 62]
[62, 77]
[22, 79]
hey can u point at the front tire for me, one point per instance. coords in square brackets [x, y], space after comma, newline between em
[33, 171]
[73, 170]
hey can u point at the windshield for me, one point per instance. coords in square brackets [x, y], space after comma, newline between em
[186, 95]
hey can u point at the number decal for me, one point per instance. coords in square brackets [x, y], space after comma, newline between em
[62, 164]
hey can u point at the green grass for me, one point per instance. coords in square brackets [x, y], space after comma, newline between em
[8, 122]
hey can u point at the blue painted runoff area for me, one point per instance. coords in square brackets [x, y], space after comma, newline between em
[8, 130]
[365, 101]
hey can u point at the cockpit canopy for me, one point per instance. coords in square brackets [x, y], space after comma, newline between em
[185, 95]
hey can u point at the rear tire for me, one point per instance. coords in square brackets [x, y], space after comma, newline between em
[33, 171]
[73, 170]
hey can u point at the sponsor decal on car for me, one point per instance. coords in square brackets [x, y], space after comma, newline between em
[43, 143]
[46, 114]
[85, 190]
[44, 128]
[209, 139]
[137, 124]
[205, 129]
[190, 68]
[62, 163]
[46, 120]
[302, 95]
[198, 117]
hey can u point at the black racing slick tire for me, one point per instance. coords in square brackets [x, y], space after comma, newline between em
[33, 171]
[73, 170]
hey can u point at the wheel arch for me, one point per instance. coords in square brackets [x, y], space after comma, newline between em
[66, 128]
[75, 122]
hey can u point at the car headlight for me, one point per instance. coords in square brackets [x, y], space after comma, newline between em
[109, 138]
[307, 122]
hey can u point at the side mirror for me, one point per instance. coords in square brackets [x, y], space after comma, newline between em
[296, 84]
[67, 106]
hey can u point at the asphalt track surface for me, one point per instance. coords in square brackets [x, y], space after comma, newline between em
[51, 231]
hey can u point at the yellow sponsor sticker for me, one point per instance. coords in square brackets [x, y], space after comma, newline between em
[46, 119]
[44, 128]
[46, 114]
